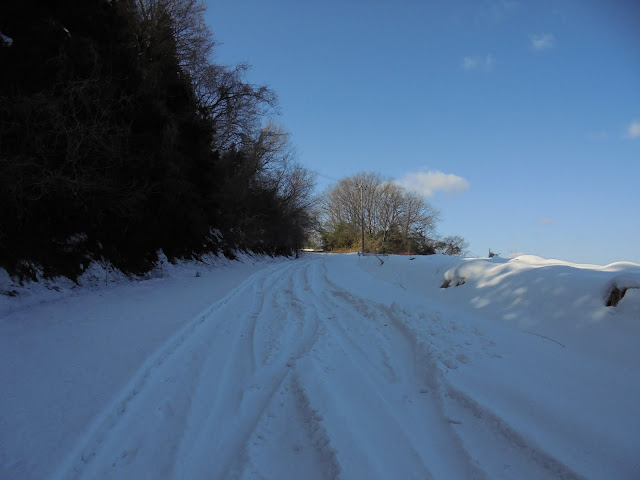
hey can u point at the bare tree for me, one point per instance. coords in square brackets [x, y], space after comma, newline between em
[194, 41]
[417, 215]
[388, 209]
[234, 106]
[453, 245]
[391, 203]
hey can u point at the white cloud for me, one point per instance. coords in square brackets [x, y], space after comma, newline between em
[543, 41]
[489, 61]
[477, 62]
[634, 130]
[546, 221]
[469, 63]
[428, 183]
[495, 11]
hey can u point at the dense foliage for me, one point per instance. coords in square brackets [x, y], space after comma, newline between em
[120, 137]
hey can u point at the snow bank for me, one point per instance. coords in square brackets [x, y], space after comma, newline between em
[16, 295]
[562, 301]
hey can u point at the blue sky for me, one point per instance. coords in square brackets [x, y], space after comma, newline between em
[519, 120]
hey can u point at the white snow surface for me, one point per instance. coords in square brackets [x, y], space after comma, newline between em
[328, 366]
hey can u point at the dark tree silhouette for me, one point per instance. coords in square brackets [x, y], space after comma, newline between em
[118, 138]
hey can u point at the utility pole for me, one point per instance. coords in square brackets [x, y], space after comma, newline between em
[362, 214]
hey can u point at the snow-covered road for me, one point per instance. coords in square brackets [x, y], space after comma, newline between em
[287, 377]
[315, 368]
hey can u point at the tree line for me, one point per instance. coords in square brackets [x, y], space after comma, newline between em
[393, 218]
[119, 137]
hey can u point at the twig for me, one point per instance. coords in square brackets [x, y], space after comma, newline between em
[538, 335]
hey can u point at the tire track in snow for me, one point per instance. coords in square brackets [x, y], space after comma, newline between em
[292, 432]
[283, 332]
[493, 444]
[406, 405]
[288, 429]
[491, 441]
[507, 446]
[173, 385]
[349, 318]
[289, 375]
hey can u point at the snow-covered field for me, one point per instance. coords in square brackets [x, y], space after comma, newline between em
[329, 366]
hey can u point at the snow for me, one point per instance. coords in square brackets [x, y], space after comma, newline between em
[328, 366]
[8, 41]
